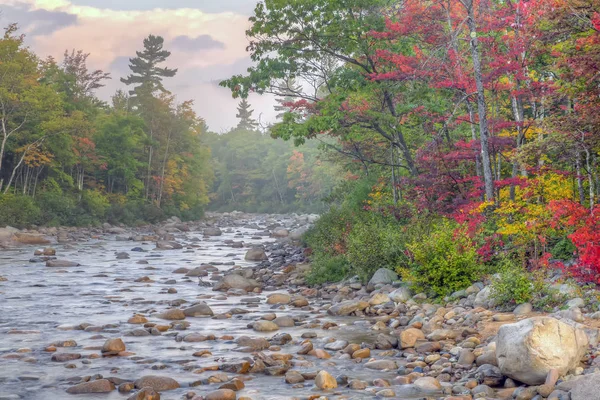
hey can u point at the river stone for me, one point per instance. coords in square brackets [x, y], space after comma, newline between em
[337, 345]
[527, 350]
[166, 245]
[379, 298]
[409, 337]
[587, 387]
[284, 322]
[198, 310]
[279, 298]
[401, 295]
[256, 254]
[428, 384]
[265, 326]
[221, 394]
[97, 386]
[145, 394]
[7, 233]
[235, 281]
[113, 347]
[61, 263]
[380, 365]
[254, 343]
[173, 314]
[281, 233]
[28, 238]
[383, 276]
[212, 232]
[347, 307]
[293, 377]
[325, 381]
[158, 383]
[62, 357]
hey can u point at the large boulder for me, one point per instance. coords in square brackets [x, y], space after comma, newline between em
[256, 254]
[235, 281]
[401, 295]
[6, 234]
[383, 276]
[527, 350]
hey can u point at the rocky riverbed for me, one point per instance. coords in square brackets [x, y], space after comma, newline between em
[220, 310]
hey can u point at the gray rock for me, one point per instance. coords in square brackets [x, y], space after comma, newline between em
[523, 309]
[198, 310]
[256, 254]
[97, 386]
[527, 350]
[383, 276]
[235, 281]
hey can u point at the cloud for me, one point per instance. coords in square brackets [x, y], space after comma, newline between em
[202, 42]
[36, 22]
[206, 47]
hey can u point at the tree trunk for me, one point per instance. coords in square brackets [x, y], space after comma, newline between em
[481, 104]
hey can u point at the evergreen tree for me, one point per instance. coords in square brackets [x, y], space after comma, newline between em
[146, 74]
[289, 93]
[245, 115]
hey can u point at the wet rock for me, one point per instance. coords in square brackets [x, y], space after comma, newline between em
[28, 238]
[241, 367]
[284, 322]
[198, 310]
[146, 393]
[278, 298]
[428, 384]
[235, 281]
[158, 383]
[347, 307]
[381, 365]
[383, 276]
[362, 353]
[97, 386]
[265, 326]
[325, 381]
[212, 232]
[527, 350]
[337, 345]
[281, 233]
[165, 245]
[137, 319]
[61, 264]
[173, 314]
[221, 394]
[63, 357]
[255, 344]
[256, 254]
[293, 377]
[113, 347]
[409, 337]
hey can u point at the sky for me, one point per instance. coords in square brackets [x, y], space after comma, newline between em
[206, 38]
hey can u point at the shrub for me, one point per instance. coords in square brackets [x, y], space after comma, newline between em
[57, 208]
[513, 285]
[326, 268]
[375, 243]
[95, 204]
[564, 250]
[443, 261]
[18, 211]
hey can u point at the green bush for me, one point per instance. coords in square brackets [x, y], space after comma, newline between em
[95, 204]
[327, 269]
[563, 250]
[56, 207]
[375, 243]
[442, 261]
[18, 211]
[513, 285]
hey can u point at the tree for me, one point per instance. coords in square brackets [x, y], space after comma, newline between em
[146, 73]
[289, 91]
[244, 114]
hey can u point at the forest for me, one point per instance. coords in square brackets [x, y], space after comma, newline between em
[69, 158]
[468, 129]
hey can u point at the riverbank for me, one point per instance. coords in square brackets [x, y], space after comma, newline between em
[219, 309]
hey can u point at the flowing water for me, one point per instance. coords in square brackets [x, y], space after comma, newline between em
[40, 305]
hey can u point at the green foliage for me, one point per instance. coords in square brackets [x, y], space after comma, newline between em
[375, 243]
[513, 285]
[18, 211]
[325, 268]
[95, 204]
[564, 250]
[444, 260]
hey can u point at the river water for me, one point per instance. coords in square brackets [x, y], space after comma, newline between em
[40, 305]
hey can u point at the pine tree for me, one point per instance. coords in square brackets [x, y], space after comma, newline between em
[290, 90]
[146, 74]
[245, 115]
